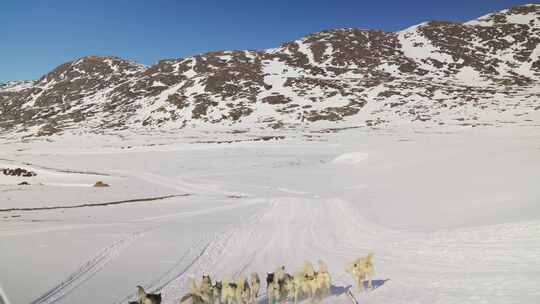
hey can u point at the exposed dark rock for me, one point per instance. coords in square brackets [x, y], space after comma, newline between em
[18, 172]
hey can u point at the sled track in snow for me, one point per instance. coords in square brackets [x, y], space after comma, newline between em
[86, 271]
[136, 200]
[166, 278]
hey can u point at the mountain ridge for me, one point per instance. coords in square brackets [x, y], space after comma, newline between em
[437, 71]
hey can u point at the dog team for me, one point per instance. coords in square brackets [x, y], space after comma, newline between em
[280, 285]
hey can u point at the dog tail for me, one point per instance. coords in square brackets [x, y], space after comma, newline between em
[192, 285]
[279, 273]
[308, 268]
[255, 278]
[370, 255]
[322, 266]
[241, 281]
[349, 267]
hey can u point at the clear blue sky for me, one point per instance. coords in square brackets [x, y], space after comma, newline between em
[38, 35]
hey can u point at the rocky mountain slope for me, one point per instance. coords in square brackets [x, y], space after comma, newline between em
[485, 71]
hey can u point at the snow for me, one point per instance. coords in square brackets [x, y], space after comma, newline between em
[469, 75]
[451, 213]
[350, 158]
[521, 18]
[415, 45]
[16, 86]
[488, 20]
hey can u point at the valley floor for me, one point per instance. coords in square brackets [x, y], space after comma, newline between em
[453, 215]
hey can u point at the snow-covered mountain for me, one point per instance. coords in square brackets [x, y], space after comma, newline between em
[485, 71]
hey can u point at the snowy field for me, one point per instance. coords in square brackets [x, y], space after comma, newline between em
[452, 214]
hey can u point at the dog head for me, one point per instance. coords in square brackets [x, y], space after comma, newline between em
[279, 273]
[206, 281]
[269, 278]
[322, 266]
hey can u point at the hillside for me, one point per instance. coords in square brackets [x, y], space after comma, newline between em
[485, 71]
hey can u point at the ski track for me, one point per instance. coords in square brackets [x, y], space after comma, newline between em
[86, 271]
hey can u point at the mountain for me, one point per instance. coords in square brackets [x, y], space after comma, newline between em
[485, 71]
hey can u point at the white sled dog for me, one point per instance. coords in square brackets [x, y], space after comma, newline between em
[361, 269]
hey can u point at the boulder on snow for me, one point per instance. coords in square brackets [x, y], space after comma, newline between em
[101, 184]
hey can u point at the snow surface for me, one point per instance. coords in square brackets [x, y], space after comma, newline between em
[452, 214]
[16, 86]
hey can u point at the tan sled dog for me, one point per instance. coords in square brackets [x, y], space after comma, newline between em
[361, 269]
[324, 280]
[255, 282]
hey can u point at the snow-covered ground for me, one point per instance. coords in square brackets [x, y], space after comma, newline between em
[452, 214]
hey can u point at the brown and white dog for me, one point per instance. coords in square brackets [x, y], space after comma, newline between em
[362, 269]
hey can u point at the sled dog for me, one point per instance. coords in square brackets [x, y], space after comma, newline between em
[229, 292]
[255, 287]
[324, 280]
[243, 291]
[360, 269]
